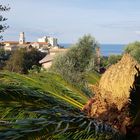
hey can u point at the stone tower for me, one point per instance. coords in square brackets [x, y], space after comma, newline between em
[21, 38]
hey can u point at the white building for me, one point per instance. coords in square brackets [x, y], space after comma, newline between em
[50, 40]
[21, 38]
[43, 39]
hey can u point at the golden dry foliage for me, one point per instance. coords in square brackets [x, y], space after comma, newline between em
[112, 96]
[115, 83]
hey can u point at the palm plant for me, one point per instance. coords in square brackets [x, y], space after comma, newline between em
[45, 106]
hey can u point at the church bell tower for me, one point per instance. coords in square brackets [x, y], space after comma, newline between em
[21, 38]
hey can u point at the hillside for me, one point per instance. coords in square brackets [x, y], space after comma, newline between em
[42, 106]
[46, 82]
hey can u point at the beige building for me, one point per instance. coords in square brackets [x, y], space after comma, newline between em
[47, 60]
[13, 45]
[9, 43]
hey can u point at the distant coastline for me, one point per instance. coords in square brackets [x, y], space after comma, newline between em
[106, 49]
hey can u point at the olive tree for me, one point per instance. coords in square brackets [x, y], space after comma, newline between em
[73, 63]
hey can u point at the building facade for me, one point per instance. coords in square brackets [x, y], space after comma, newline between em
[46, 62]
[43, 39]
[50, 40]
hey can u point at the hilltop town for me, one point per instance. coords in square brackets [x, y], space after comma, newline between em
[46, 44]
[43, 44]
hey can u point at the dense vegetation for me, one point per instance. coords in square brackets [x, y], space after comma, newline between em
[107, 61]
[43, 106]
[4, 56]
[23, 60]
[79, 59]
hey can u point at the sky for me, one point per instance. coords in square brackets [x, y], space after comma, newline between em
[109, 21]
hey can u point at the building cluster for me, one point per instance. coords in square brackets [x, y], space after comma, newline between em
[45, 44]
[42, 44]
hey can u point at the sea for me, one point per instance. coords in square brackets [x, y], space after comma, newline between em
[106, 49]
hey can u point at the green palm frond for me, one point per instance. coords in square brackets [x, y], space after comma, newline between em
[39, 107]
[22, 99]
[57, 126]
[47, 84]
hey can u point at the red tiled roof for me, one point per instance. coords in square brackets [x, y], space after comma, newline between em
[11, 42]
[15, 42]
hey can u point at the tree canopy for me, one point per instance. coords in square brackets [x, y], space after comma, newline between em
[3, 26]
[134, 50]
[78, 59]
[22, 60]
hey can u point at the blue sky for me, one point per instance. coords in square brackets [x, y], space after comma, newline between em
[109, 21]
